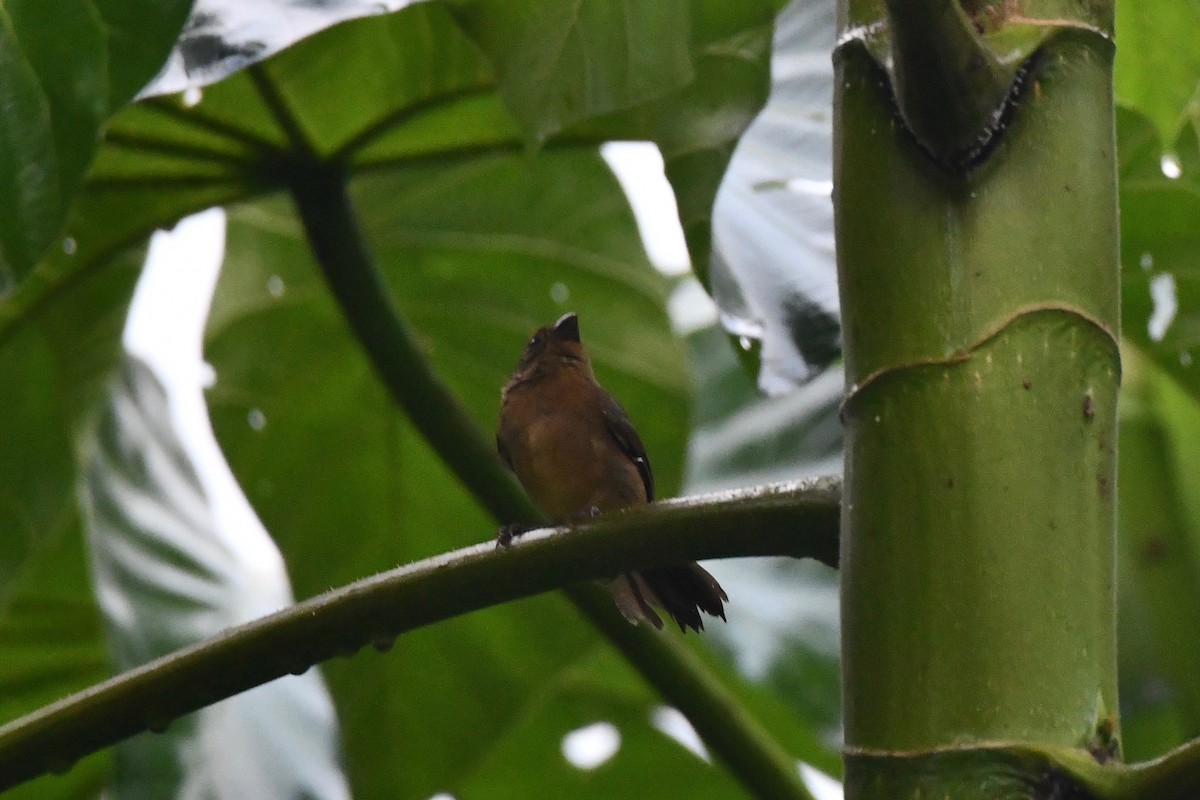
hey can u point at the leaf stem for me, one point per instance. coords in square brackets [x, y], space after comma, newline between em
[949, 86]
[319, 191]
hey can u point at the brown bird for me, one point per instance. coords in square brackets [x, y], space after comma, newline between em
[577, 454]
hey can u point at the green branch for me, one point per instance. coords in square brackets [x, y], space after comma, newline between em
[949, 86]
[797, 519]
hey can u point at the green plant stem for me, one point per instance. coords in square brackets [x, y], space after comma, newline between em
[321, 196]
[949, 87]
[319, 191]
[980, 316]
[763, 521]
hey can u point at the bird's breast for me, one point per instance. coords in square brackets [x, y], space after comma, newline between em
[567, 461]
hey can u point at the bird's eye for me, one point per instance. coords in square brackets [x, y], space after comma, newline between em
[537, 344]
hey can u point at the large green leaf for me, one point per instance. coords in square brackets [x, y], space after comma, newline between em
[1159, 560]
[167, 575]
[406, 90]
[54, 366]
[1157, 70]
[476, 256]
[698, 127]
[403, 88]
[1160, 249]
[572, 61]
[59, 334]
[65, 68]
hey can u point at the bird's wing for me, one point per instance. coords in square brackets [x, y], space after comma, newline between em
[623, 433]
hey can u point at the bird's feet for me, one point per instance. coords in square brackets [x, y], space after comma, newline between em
[506, 534]
[585, 515]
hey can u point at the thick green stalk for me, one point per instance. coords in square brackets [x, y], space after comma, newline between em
[980, 309]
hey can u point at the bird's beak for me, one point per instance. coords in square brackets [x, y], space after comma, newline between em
[567, 328]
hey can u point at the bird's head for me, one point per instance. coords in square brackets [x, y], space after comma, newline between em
[553, 347]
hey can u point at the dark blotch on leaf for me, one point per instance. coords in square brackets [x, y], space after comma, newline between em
[816, 333]
[203, 48]
[1154, 548]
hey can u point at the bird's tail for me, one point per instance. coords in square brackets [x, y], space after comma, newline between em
[683, 591]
